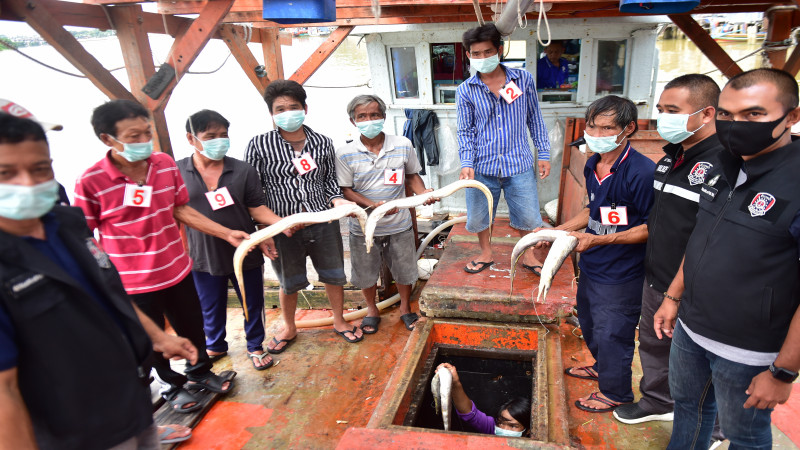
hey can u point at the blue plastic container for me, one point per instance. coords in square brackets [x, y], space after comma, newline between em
[300, 11]
[657, 6]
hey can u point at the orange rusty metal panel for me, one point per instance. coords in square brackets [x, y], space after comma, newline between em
[325, 50]
[402, 438]
[475, 336]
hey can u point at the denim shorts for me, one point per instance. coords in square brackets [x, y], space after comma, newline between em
[323, 243]
[396, 250]
[520, 193]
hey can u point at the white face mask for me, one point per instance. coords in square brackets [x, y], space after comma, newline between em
[27, 202]
[601, 144]
[672, 127]
[503, 432]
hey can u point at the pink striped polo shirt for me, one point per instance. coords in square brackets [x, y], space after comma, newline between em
[143, 243]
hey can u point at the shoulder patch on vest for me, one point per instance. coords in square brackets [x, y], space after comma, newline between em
[698, 173]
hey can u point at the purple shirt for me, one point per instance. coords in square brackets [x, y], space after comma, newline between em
[479, 421]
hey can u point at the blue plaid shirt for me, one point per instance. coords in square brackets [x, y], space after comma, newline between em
[491, 132]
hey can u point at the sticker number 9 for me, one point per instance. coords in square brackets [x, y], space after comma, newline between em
[220, 199]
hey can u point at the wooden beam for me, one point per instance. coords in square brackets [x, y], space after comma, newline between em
[128, 22]
[780, 28]
[189, 43]
[321, 54]
[706, 44]
[273, 55]
[793, 63]
[244, 56]
[39, 18]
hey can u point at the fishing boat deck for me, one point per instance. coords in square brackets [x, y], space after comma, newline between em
[325, 393]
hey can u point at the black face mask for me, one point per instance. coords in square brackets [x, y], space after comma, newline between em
[743, 138]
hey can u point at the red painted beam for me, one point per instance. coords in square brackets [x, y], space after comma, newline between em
[304, 72]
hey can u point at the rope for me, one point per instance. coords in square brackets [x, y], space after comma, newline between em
[478, 12]
[539, 25]
[13, 47]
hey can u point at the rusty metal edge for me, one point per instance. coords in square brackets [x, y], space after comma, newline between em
[558, 426]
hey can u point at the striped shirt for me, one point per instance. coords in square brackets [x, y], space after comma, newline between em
[491, 132]
[362, 170]
[143, 243]
[287, 191]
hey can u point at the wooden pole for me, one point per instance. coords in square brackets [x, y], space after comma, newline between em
[244, 57]
[128, 21]
[706, 44]
[273, 56]
[39, 18]
[780, 28]
[321, 54]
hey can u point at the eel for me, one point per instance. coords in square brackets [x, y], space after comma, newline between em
[284, 224]
[441, 388]
[563, 245]
[417, 200]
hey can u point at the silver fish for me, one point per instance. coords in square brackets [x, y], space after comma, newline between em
[441, 388]
[563, 245]
[417, 200]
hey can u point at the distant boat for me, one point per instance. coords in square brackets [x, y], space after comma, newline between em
[731, 36]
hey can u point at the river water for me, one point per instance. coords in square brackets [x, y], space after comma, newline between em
[55, 97]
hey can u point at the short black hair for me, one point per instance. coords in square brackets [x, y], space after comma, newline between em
[106, 116]
[203, 120]
[288, 88]
[703, 91]
[623, 109]
[785, 83]
[520, 409]
[14, 130]
[483, 33]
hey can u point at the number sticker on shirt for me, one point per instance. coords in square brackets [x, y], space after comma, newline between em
[139, 196]
[614, 216]
[510, 92]
[304, 164]
[393, 176]
[219, 198]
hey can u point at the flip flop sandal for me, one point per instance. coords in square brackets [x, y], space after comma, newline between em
[278, 342]
[483, 266]
[217, 357]
[180, 398]
[370, 322]
[589, 375]
[260, 359]
[170, 430]
[352, 341]
[213, 382]
[538, 273]
[611, 405]
[409, 319]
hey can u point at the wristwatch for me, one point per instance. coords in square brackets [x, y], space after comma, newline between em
[781, 374]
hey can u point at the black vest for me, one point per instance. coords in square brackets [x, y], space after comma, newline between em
[672, 218]
[83, 381]
[742, 272]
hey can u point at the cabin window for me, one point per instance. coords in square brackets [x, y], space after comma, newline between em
[558, 82]
[611, 61]
[404, 68]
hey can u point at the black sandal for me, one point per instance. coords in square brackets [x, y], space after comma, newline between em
[370, 322]
[179, 398]
[213, 382]
[344, 336]
[410, 319]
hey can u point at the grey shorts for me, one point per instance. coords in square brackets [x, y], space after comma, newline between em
[323, 243]
[396, 250]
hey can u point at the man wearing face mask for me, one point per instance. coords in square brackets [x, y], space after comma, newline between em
[619, 181]
[60, 289]
[495, 106]
[687, 108]
[298, 174]
[227, 191]
[134, 197]
[736, 345]
[372, 170]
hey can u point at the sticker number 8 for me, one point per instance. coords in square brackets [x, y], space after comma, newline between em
[305, 165]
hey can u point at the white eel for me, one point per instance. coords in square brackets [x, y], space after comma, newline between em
[563, 245]
[284, 224]
[417, 200]
[441, 388]
[324, 322]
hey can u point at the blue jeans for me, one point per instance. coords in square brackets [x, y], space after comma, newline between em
[521, 196]
[608, 314]
[213, 293]
[704, 385]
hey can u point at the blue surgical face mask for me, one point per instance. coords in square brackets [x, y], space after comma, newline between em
[503, 432]
[601, 144]
[672, 127]
[485, 65]
[137, 151]
[370, 128]
[290, 120]
[27, 202]
[215, 149]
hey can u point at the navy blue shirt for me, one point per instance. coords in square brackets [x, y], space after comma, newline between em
[548, 76]
[629, 185]
[53, 248]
